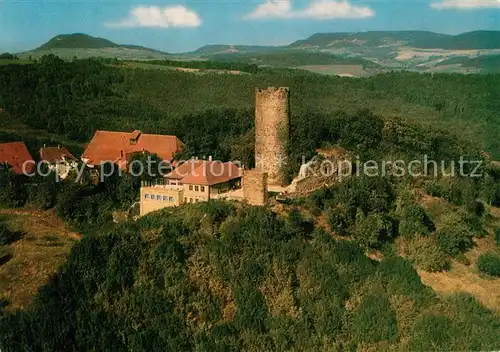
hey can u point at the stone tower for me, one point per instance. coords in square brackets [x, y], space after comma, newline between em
[255, 187]
[272, 128]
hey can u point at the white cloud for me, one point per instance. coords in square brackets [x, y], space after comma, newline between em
[316, 9]
[466, 4]
[153, 16]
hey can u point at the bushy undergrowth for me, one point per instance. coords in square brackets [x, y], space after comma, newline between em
[489, 263]
[217, 276]
[455, 236]
[425, 253]
[7, 236]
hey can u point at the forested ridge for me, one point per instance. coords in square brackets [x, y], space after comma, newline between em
[293, 276]
[75, 99]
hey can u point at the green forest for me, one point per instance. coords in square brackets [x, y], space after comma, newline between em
[228, 276]
[73, 99]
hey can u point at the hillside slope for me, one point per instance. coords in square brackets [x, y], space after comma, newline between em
[416, 39]
[76, 40]
[217, 277]
[81, 45]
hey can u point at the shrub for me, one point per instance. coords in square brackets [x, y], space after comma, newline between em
[6, 235]
[5, 254]
[374, 320]
[414, 220]
[338, 219]
[489, 263]
[426, 254]
[434, 189]
[252, 311]
[399, 277]
[432, 333]
[497, 236]
[455, 235]
[42, 195]
[373, 230]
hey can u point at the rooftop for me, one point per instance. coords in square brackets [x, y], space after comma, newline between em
[16, 154]
[205, 172]
[55, 154]
[108, 146]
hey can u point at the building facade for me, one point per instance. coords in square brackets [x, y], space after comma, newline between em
[192, 182]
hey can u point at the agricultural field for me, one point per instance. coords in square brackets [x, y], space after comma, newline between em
[337, 70]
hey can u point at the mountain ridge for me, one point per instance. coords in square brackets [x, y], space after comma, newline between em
[86, 41]
[480, 39]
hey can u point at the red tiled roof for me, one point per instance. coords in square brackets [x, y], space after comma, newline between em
[185, 169]
[108, 146]
[16, 154]
[204, 172]
[54, 154]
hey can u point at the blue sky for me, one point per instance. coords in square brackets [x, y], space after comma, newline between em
[177, 26]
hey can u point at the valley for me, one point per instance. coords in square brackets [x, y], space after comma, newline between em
[374, 52]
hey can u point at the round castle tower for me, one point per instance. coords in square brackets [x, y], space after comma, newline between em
[272, 128]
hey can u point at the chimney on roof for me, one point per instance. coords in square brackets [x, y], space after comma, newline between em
[134, 136]
[209, 158]
[58, 146]
[45, 145]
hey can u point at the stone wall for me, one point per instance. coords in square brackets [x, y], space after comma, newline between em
[255, 187]
[328, 168]
[272, 128]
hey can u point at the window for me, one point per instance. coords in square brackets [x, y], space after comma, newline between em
[190, 200]
[196, 188]
[196, 200]
[158, 197]
[190, 187]
[203, 188]
[146, 196]
[165, 198]
[185, 200]
[170, 199]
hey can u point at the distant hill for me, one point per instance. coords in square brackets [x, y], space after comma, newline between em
[471, 40]
[226, 49]
[379, 51]
[77, 41]
[84, 46]
[293, 58]
[417, 39]
[371, 39]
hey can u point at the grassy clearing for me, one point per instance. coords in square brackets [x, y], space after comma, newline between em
[44, 246]
[340, 70]
[465, 278]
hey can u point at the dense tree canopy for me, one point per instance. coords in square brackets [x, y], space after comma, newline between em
[226, 276]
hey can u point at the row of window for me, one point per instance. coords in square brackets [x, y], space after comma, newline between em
[191, 200]
[159, 197]
[197, 188]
